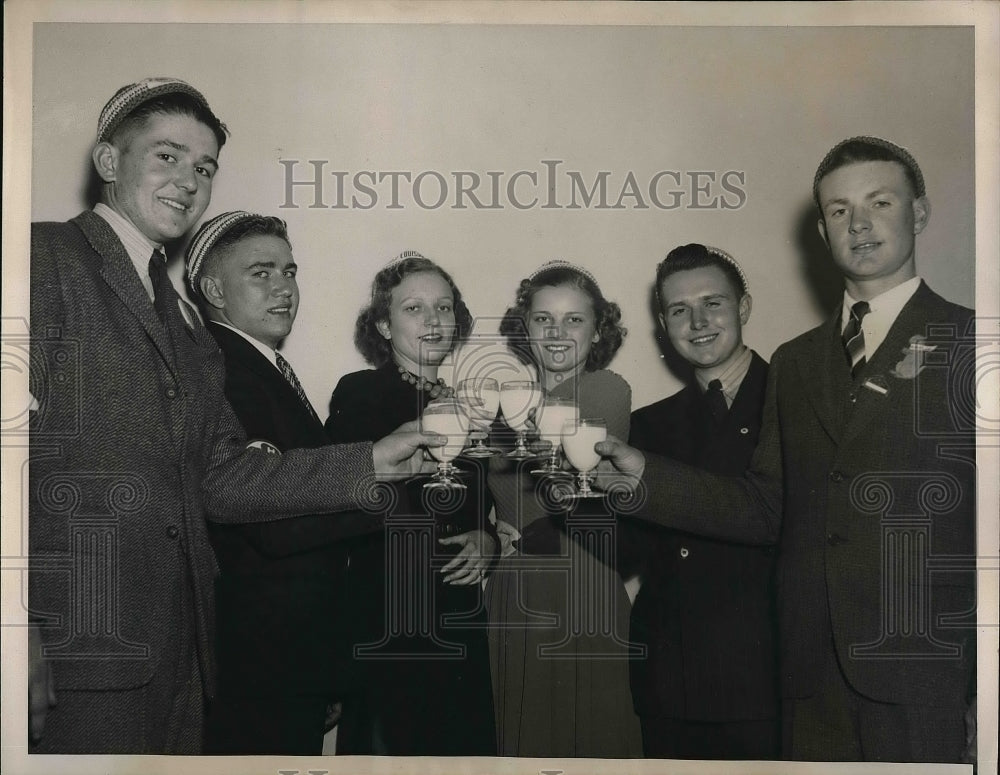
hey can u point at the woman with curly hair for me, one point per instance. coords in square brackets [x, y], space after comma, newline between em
[559, 689]
[419, 655]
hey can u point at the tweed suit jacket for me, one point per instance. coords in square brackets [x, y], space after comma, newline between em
[132, 445]
[706, 607]
[279, 595]
[868, 487]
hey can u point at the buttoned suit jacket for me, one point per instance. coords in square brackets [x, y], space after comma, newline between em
[705, 610]
[280, 593]
[131, 446]
[868, 487]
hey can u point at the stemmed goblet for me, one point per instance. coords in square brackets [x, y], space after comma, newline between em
[481, 399]
[550, 418]
[446, 418]
[578, 440]
[517, 399]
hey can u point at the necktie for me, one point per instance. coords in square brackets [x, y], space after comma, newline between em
[161, 285]
[716, 401]
[289, 374]
[854, 338]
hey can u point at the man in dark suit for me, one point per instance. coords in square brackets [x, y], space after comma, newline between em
[865, 477]
[278, 596]
[133, 443]
[705, 612]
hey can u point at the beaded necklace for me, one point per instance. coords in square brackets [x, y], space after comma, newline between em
[434, 389]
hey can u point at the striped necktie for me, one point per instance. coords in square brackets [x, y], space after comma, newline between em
[854, 338]
[289, 375]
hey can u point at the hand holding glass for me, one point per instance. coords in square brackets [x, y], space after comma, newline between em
[578, 440]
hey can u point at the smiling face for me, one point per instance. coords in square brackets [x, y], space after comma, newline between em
[869, 220]
[703, 315]
[251, 286]
[159, 176]
[562, 326]
[421, 326]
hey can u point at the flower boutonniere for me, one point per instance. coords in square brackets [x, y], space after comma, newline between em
[914, 356]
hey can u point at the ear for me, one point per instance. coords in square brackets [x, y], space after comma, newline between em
[746, 304]
[211, 289]
[821, 225]
[383, 328]
[105, 157]
[921, 213]
[663, 320]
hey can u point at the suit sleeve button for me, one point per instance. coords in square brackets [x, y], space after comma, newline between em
[836, 476]
[684, 551]
[744, 431]
[173, 532]
[171, 393]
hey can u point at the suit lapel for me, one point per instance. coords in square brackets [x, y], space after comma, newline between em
[871, 402]
[822, 368]
[236, 347]
[911, 321]
[117, 271]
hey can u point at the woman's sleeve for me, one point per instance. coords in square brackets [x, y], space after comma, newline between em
[606, 394]
[352, 411]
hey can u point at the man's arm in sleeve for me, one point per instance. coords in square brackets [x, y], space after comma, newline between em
[746, 509]
[248, 485]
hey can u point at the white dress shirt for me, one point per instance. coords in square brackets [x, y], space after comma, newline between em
[882, 313]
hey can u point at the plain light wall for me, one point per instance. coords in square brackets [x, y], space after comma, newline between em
[767, 102]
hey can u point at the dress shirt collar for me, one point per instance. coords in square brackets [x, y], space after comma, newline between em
[731, 378]
[264, 350]
[883, 311]
[138, 246]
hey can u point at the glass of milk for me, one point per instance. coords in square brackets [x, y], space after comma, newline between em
[446, 418]
[481, 400]
[578, 440]
[550, 418]
[517, 399]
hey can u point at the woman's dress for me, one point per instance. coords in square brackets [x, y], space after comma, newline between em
[559, 616]
[418, 667]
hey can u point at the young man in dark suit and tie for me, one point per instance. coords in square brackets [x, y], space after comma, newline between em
[707, 688]
[133, 443]
[278, 598]
[865, 478]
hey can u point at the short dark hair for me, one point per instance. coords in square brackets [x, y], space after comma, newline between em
[172, 104]
[375, 348]
[253, 226]
[608, 315]
[867, 148]
[696, 256]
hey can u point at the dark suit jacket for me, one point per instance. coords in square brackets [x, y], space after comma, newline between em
[408, 701]
[705, 610]
[869, 488]
[132, 445]
[279, 596]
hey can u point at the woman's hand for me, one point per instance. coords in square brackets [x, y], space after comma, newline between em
[470, 564]
[508, 534]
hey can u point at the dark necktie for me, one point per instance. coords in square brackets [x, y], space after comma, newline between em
[289, 374]
[716, 401]
[854, 338]
[161, 285]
